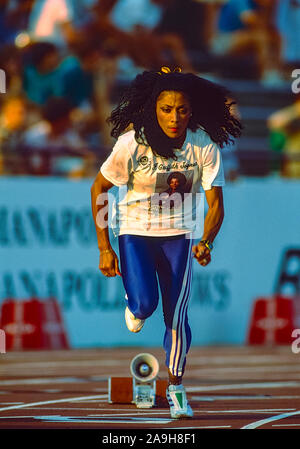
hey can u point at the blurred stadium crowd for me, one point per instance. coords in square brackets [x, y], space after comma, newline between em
[66, 62]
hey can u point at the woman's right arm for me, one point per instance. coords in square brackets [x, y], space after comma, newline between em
[108, 263]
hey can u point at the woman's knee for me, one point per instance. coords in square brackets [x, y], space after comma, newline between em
[143, 307]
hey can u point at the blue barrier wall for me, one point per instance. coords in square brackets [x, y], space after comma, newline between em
[48, 248]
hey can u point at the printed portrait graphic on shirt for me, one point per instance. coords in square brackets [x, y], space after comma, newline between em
[172, 188]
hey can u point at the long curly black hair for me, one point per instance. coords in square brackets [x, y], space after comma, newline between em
[211, 110]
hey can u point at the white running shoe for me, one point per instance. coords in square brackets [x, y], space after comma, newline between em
[179, 406]
[134, 324]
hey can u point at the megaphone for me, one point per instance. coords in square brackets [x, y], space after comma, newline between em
[144, 369]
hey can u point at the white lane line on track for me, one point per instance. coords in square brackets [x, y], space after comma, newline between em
[109, 415]
[68, 419]
[246, 369]
[133, 420]
[262, 422]
[52, 390]
[105, 398]
[68, 408]
[136, 412]
[55, 401]
[64, 363]
[286, 425]
[269, 410]
[240, 360]
[251, 385]
[55, 380]
[240, 397]
[11, 403]
[16, 417]
[133, 413]
[198, 427]
[263, 371]
[41, 381]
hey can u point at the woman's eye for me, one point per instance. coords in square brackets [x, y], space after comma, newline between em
[180, 111]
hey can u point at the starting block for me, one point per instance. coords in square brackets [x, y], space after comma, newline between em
[142, 389]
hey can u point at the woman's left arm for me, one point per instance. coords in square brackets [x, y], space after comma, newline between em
[212, 224]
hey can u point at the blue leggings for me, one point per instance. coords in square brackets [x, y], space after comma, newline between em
[148, 263]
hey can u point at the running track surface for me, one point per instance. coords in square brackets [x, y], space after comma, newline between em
[244, 387]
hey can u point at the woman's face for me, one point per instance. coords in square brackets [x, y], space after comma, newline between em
[174, 184]
[173, 111]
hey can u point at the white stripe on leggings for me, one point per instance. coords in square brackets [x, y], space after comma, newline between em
[181, 330]
[173, 363]
[181, 326]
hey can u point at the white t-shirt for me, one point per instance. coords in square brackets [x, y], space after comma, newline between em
[158, 196]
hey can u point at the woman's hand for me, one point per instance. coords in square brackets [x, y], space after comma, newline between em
[201, 254]
[109, 264]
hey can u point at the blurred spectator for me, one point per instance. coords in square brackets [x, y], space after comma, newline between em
[95, 82]
[248, 27]
[47, 74]
[150, 50]
[58, 21]
[188, 19]
[13, 122]
[126, 14]
[14, 18]
[55, 139]
[8, 30]
[11, 63]
[139, 46]
[288, 21]
[284, 126]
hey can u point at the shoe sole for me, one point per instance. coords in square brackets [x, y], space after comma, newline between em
[181, 415]
[135, 331]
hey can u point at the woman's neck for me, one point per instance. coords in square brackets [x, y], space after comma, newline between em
[180, 140]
